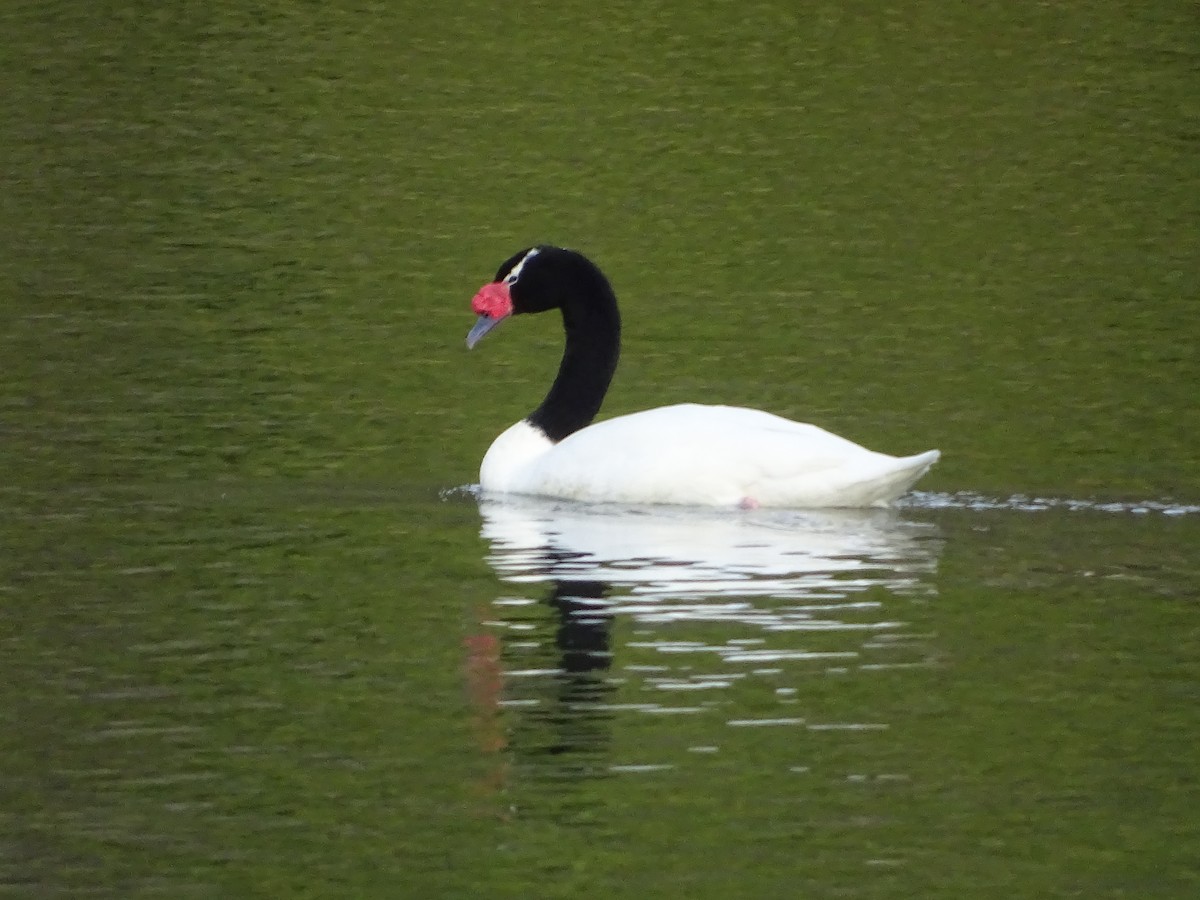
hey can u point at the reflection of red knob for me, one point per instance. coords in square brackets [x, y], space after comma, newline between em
[484, 682]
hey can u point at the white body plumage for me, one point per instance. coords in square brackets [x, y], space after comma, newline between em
[699, 455]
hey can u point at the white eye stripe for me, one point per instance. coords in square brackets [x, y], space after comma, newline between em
[511, 277]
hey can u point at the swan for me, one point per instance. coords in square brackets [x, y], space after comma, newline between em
[691, 454]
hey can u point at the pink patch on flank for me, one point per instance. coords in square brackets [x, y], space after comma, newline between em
[493, 301]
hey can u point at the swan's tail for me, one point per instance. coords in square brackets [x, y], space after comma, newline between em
[898, 477]
[868, 479]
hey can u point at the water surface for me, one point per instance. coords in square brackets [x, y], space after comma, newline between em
[257, 642]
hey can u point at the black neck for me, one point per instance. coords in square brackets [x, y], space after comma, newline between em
[593, 330]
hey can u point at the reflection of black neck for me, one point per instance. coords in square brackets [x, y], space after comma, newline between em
[593, 343]
[583, 641]
[583, 638]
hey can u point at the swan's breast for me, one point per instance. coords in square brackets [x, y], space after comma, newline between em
[506, 464]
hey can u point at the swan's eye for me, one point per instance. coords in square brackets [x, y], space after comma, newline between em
[511, 278]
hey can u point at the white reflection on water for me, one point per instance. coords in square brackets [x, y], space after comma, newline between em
[662, 553]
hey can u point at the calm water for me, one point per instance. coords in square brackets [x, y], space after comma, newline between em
[261, 637]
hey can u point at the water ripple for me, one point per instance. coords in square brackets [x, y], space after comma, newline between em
[1023, 503]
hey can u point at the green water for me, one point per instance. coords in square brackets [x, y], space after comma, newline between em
[252, 647]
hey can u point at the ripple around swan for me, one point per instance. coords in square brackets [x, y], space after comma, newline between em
[1023, 503]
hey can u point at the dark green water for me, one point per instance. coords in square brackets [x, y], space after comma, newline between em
[255, 644]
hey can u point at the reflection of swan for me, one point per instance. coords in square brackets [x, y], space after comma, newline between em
[657, 553]
[667, 611]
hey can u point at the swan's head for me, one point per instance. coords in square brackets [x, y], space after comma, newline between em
[535, 280]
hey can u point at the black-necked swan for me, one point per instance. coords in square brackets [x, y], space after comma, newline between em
[687, 454]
